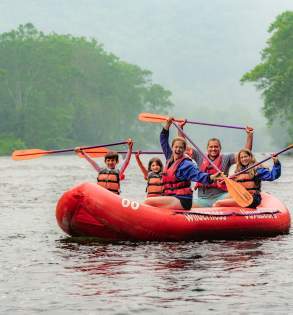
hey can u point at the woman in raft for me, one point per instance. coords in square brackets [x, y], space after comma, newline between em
[153, 175]
[178, 174]
[251, 179]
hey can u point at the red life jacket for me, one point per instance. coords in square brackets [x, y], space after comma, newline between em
[251, 183]
[172, 185]
[154, 185]
[189, 152]
[208, 168]
[109, 179]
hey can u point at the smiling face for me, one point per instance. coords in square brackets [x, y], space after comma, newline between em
[155, 167]
[111, 163]
[178, 149]
[214, 149]
[244, 158]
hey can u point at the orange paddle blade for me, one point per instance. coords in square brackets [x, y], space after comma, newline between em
[94, 152]
[237, 192]
[155, 118]
[28, 154]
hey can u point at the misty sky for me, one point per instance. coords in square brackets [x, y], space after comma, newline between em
[198, 49]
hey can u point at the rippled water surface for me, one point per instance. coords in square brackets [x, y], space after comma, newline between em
[45, 272]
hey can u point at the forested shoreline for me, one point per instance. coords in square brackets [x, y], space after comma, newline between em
[58, 91]
[274, 75]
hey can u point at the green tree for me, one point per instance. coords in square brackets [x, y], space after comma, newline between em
[274, 75]
[60, 90]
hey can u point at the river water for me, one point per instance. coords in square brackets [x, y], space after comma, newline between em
[45, 272]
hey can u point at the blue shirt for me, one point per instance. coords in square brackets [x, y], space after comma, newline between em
[187, 170]
[269, 175]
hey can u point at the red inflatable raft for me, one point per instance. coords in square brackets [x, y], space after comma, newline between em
[89, 210]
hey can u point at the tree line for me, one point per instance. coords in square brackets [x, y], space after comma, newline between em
[60, 90]
[274, 75]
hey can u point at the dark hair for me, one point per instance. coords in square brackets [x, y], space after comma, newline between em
[112, 155]
[158, 161]
[179, 139]
[215, 139]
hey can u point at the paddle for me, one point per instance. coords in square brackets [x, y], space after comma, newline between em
[161, 119]
[36, 153]
[264, 160]
[94, 152]
[98, 152]
[236, 190]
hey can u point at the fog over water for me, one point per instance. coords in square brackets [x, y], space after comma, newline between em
[197, 49]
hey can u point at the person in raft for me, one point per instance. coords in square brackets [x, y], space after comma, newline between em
[178, 174]
[209, 194]
[109, 177]
[251, 179]
[153, 175]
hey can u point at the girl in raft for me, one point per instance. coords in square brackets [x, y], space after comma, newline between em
[251, 179]
[153, 175]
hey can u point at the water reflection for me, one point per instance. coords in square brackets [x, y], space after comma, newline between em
[239, 255]
[96, 258]
[229, 255]
[191, 269]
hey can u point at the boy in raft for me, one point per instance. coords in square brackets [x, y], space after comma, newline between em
[209, 194]
[153, 175]
[109, 177]
[252, 178]
[178, 174]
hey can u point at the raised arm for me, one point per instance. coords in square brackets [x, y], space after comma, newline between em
[181, 125]
[249, 138]
[141, 166]
[164, 139]
[189, 150]
[88, 158]
[127, 159]
[248, 144]
[270, 175]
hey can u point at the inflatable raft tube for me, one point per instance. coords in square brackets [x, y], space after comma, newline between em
[90, 210]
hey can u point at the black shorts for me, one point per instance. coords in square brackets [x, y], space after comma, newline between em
[185, 203]
[256, 200]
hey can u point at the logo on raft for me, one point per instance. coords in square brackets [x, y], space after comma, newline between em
[206, 215]
[134, 205]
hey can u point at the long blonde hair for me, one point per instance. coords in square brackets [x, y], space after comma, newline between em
[239, 166]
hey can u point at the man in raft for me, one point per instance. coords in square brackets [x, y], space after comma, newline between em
[211, 193]
[109, 176]
[178, 174]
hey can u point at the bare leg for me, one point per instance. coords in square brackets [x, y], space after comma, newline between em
[196, 205]
[164, 202]
[225, 203]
